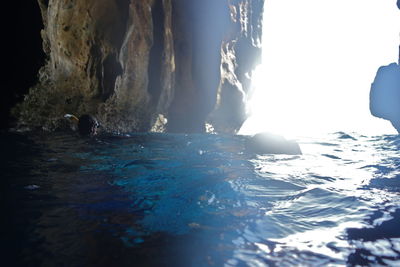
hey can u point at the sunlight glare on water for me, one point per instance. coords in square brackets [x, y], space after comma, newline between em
[319, 60]
[200, 200]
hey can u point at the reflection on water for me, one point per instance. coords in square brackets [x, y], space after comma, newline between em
[198, 200]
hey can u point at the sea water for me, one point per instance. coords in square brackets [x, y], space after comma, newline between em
[198, 200]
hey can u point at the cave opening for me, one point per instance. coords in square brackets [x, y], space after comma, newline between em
[22, 53]
[319, 60]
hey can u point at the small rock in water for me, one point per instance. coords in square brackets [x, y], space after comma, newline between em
[32, 187]
[267, 143]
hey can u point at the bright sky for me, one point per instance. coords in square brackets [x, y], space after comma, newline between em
[319, 60]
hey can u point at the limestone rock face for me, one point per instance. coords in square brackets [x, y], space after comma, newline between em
[240, 53]
[131, 62]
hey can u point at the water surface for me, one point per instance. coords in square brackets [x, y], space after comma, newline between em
[198, 200]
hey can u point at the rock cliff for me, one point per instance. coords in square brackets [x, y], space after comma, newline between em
[137, 64]
[385, 92]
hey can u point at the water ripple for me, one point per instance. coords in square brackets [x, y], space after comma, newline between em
[200, 200]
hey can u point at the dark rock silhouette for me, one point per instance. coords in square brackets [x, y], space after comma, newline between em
[87, 125]
[385, 94]
[267, 143]
[384, 97]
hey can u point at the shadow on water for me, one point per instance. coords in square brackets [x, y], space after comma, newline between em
[377, 244]
[95, 202]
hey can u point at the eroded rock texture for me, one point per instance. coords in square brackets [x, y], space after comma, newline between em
[134, 63]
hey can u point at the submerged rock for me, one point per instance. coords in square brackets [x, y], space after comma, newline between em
[267, 143]
[385, 94]
[87, 125]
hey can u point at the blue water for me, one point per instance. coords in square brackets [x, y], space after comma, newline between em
[198, 200]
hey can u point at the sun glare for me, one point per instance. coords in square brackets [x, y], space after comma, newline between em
[319, 60]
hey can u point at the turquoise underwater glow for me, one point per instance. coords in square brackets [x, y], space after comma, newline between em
[200, 200]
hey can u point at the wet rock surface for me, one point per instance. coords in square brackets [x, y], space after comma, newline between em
[128, 62]
[268, 143]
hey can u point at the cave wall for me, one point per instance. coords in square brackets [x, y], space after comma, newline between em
[240, 53]
[22, 55]
[134, 63]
